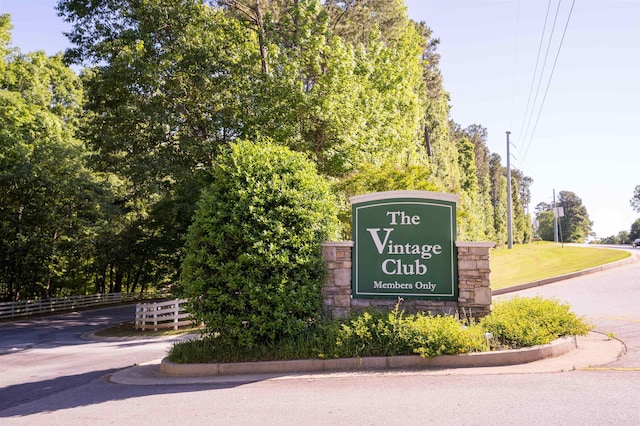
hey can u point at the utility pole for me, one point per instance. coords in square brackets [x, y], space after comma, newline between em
[555, 218]
[509, 218]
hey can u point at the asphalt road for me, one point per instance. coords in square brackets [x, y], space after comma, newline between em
[610, 300]
[48, 355]
[54, 377]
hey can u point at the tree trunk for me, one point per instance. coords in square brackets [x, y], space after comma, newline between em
[118, 284]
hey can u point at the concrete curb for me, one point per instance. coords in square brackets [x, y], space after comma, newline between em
[551, 280]
[594, 350]
[480, 359]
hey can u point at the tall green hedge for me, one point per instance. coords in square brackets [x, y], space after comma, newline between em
[253, 268]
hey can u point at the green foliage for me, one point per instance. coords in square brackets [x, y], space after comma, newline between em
[623, 237]
[355, 21]
[171, 83]
[50, 202]
[574, 227]
[316, 341]
[522, 228]
[634, 232]
[513, 323]
[476, 212]
[520, 322]
[379, 178]
[396, 334]
[253, 268]
[545, 225]
[470, 214]
[635, 200]
[343, 104]
[353, 85]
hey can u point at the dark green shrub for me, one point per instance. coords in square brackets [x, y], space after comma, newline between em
[253, 268]
[520, 322]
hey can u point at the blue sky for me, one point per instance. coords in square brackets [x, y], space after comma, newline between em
[587, 137]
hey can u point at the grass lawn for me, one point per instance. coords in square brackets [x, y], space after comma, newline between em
[536, 261]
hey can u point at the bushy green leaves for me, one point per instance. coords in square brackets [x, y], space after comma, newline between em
[520, 322]
[635, 200]
[396, 334]
[254, 268]
[514, 323]
[49, 200]
[573, 227]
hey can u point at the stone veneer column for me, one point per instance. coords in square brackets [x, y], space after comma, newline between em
[336, 291]
[474, 285]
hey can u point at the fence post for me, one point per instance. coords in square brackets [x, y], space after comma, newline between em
[176, 311]
[144, 316]
[155, 317]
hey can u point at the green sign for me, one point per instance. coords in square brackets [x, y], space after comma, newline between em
[404, 245]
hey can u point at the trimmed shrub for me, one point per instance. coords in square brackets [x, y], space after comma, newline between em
[520, 322]
[253, 268]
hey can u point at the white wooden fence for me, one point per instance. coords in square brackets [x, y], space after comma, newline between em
[55, 304]
[155, 315]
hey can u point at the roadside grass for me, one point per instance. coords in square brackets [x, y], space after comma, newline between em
[539, 260]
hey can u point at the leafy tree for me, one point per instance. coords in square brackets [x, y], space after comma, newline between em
[498, 199]
[253, 268]
[355, 21]
[187, 74]
[635, 201]
[545, 225]
[635, 230]
[469, 223]
[379, 178]
[524, 187]
[166, 88]
[481, 209]
[50, 202]
[172, 82]
[521, 226]
[575, 225]
[478, 136]
[612, 239]
[623, 237]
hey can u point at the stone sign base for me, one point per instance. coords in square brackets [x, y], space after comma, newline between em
[474, 291]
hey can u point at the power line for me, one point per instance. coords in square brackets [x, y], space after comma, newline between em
[535, 70]
[527, 144]
[555, 62]
[544, 64]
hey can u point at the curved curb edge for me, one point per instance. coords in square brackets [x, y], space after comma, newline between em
[556, 348]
